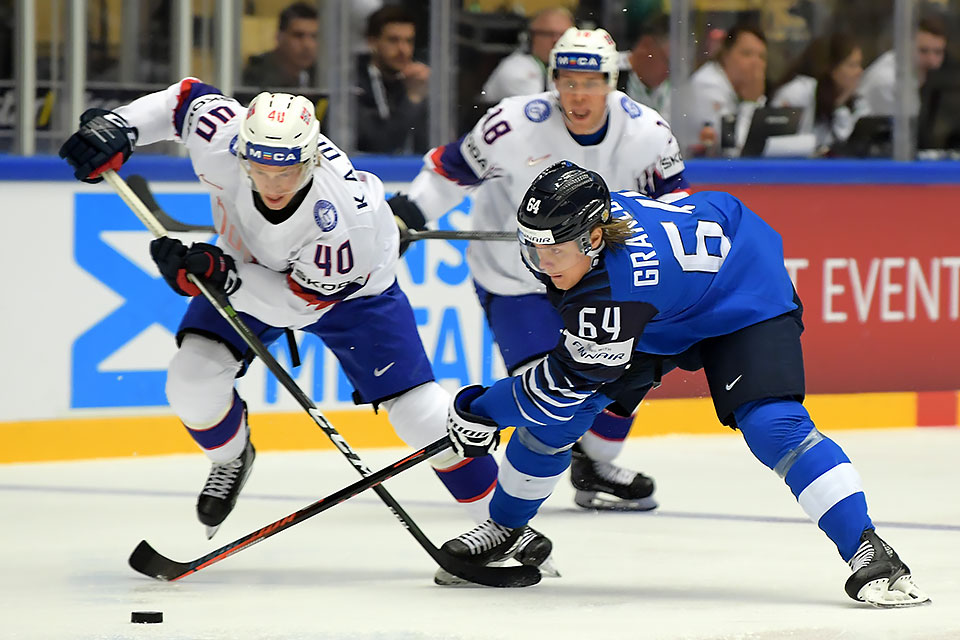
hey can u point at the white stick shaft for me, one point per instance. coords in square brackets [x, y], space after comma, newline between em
[133, 201]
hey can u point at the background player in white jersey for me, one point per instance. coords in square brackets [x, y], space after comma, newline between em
[586, 121]
[306, 242]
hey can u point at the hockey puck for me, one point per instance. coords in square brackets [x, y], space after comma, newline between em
[146, 616]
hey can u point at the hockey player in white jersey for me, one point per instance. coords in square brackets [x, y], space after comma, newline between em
[305, 242]
[590, 123]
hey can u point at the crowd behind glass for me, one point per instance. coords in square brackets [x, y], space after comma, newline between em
[794, 78]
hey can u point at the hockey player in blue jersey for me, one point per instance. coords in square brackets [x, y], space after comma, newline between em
[644, 286]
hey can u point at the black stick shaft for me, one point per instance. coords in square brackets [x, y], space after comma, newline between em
[140, 187]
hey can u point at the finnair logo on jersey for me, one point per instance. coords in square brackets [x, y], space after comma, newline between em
[578, 62]
[611, 354]
[536, 236]
[278, 156]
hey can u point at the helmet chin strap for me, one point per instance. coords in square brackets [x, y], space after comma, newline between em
[594, 255]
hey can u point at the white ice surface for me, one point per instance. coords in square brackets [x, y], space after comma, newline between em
[728, 555]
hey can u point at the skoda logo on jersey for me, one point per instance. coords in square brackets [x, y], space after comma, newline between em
[537, 110]
[632, 108]
[325, 215]
[277, 156]
[578, 61]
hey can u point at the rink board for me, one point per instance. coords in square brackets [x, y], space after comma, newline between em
[91, 329]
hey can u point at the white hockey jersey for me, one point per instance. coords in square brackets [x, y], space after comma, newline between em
[340, 243]
[517, 139]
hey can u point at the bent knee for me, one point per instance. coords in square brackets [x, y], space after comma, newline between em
[200, 380]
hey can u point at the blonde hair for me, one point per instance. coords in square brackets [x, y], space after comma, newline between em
[616, 232]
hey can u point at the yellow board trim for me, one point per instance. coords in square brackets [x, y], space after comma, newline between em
[84, 438]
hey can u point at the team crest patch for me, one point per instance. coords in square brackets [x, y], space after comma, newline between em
[325, 215]
[632, 108]
[537, 110]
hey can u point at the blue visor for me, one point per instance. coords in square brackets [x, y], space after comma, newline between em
[277, 156]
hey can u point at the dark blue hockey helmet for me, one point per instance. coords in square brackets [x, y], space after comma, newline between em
[563, 204]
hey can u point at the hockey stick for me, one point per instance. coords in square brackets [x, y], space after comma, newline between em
[140, 187]
[491, 576]
[150, 562]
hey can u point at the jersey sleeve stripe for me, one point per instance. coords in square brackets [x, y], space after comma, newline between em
[531, 385]
[552, 385]
[190, 90]
[525, 415]
[448, 161]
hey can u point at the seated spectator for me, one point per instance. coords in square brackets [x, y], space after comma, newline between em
[291, 63]
[823, 83]
[392, 87]
[648, 81]
[732, 85]
[879, 80]
[524, 71]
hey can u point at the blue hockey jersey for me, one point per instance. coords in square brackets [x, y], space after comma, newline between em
[699, 267]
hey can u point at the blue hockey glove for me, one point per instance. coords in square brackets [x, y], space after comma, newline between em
[104, 141]
[206, 261]
[473, 436]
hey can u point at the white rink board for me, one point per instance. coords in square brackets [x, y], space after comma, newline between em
[90, 318]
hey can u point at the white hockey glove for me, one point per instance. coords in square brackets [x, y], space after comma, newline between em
[473, 436]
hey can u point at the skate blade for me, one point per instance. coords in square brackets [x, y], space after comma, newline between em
[604, 502]
[444, 578]
[902, 593]
[549, 568]
[211, 531]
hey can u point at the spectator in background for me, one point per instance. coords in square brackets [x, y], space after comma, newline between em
[524, 71]
[824, 84]
[392, 87]
[291, 62]
[648, 81]
[879, 79]
[732, 85]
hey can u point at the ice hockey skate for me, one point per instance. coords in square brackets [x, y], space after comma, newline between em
[224, 483]
[492, 544]
[605, 486]
[880, 577]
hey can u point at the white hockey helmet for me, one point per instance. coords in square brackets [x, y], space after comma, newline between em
[280, 130]
[586, 50]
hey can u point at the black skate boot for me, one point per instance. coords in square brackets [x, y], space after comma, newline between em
[601, 485]
[880, 577]
[490, 543]
[219, 494]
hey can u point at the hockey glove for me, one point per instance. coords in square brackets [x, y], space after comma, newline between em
[104, 141]
[408, 216]
[473, 436]
[175, 261]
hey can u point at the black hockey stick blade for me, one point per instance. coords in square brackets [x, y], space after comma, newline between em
[148, 561]
[140, 187]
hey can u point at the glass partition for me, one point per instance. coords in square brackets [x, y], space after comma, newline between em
[752, 78]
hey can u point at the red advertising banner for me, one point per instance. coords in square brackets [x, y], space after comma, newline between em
[878, 270]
